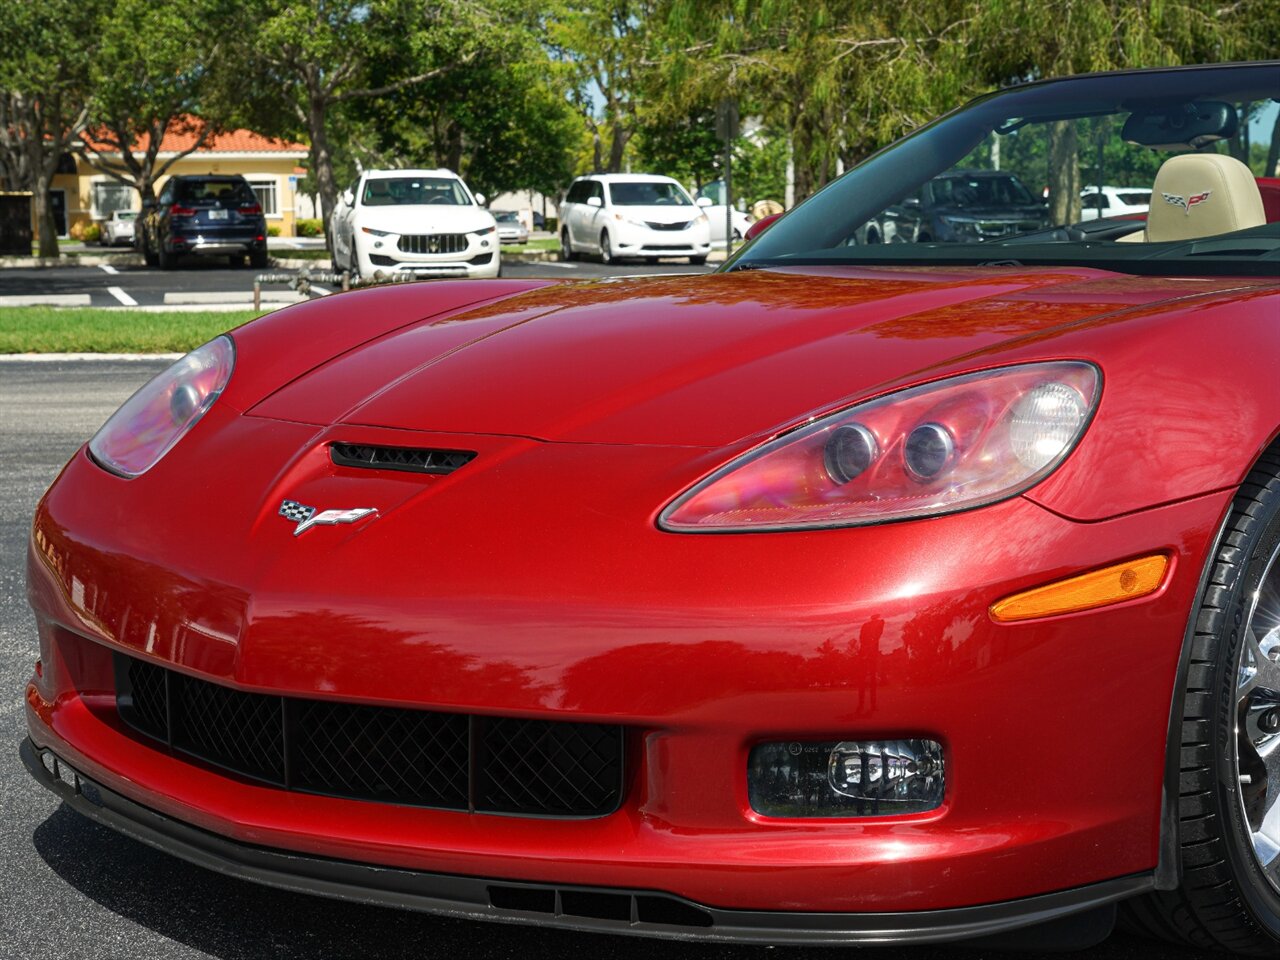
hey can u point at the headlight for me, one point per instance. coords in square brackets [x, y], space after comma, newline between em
[484, 230]
[155, 418]
[929, 450]
[375, 233]
[702, 218]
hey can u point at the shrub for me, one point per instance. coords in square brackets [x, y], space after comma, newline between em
[273, 230]
[310, 228]
[89, 232]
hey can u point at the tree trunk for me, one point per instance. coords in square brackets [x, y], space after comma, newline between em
[1064, 173]
[322, 161]
[47, 230]
[1272, 168]
[617, 144]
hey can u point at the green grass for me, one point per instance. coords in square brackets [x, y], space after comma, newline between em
[94, 330]
[311, 253]
[542, 243]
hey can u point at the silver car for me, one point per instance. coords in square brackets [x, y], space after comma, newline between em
[510, 229]
[118, 229]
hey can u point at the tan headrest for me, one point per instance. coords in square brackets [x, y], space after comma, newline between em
[1201, 195]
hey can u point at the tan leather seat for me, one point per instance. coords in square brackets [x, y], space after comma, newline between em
[1201, 195]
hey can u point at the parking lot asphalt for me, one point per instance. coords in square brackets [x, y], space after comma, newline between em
[71, 889]
[203, 283]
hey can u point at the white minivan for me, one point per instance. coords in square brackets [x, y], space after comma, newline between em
[425, 222]
[617, 215]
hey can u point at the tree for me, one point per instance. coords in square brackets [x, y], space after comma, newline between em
[145, 90]
[682, 145]
[316, 56]
[604, 42]
[45, 85]
[503, 124]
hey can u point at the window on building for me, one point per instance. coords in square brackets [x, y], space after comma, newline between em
[110, 197]
[268, 197]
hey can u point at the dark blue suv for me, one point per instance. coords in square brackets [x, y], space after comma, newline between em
[206, 215]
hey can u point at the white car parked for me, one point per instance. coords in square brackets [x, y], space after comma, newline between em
[1102, 202]
[711, 199]
[117, 229]
[414, 221]
[618, 215]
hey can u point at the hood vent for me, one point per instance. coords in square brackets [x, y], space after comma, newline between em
[409, 459]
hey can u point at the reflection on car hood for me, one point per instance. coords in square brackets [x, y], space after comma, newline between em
[701, 360]
[428, 218]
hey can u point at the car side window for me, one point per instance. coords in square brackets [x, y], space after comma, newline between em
[166, 195]
[597, 190]
[578, 192]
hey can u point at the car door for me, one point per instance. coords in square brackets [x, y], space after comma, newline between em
[569, 209]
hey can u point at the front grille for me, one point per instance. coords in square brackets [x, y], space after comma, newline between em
[668, 226]
[411, 459]
[451, 761]
[433, 242]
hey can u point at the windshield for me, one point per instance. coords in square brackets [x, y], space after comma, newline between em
[196, 191]
[126, 214]
[649, 193]
[1153, 172]
[414, 191]
[506, 217]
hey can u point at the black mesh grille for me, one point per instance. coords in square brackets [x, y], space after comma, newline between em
[433, 242]
[412, 459]
[533, 766]
[669, 226]
[418, 757]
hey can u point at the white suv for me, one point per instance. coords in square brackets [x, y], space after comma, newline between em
[414, 221]
[616, 215]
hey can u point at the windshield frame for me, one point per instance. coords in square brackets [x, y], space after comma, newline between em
[459, 189]
[937, 147]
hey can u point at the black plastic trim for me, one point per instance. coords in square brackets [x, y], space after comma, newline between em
[546, 905]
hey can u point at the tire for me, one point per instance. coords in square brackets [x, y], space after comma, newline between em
[698, 261]
[235, 261]
[606, 249]
[148, 255]
[566, 247]
[1227, 899]
[165, 259]
[258, 259]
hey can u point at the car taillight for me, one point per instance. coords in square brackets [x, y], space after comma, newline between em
[178, 210]
[251, 209]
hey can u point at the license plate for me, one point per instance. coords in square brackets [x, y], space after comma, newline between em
[217, 214]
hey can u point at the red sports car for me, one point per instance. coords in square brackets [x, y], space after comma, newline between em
[852, 593]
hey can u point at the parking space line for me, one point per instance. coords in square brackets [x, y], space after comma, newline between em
[123, 297]
[107, 268]
[323, 291]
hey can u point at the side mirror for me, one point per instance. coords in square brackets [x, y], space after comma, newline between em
[480, 199]
[704, 202]
[348, 198]
[594, 202]
[761, 225]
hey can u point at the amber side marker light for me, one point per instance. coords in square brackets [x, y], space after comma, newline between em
[1098, 588]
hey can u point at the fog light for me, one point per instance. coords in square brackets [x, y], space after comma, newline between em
[846, 778]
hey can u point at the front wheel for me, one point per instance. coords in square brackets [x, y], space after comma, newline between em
[165, 258]
[566, 247]
[258, 259]
[698, 261]
[606, 248]
[1229, 798]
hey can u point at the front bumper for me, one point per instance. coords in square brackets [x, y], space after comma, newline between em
[604, 910]
[1054, 730]
[481, 258]
[630, 240]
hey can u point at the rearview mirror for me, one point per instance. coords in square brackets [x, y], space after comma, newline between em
[1185, 125]
[594, 202]
[704, 202]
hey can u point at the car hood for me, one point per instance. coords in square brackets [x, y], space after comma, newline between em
[703, 360]
[426, 218]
